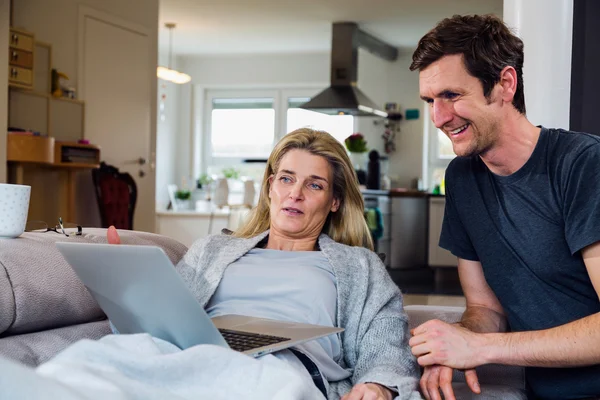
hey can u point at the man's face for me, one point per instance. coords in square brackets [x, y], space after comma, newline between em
[458, 107]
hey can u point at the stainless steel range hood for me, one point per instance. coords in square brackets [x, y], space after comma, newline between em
[343, 97]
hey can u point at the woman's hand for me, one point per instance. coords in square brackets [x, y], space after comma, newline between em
[112, 235]
[368, 391]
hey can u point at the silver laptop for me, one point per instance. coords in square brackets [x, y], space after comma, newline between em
[141, 292]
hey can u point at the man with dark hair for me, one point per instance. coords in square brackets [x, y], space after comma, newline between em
[522, 216]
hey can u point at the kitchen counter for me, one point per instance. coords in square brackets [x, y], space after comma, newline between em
[187, 226]
[399, 192]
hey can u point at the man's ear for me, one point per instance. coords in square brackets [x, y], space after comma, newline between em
[508, 82]
[335, 205]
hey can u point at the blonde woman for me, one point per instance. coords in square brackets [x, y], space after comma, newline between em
[305, 255]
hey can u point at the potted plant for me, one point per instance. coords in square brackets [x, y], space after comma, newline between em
[357, 150]
[183, 197]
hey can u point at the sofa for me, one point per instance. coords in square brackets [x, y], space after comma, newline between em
[44, 307]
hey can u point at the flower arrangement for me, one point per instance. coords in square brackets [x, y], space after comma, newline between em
[356, 143]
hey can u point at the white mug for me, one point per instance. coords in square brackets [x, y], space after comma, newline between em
[14, 207]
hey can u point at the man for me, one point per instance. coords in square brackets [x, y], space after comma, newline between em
[522, 216]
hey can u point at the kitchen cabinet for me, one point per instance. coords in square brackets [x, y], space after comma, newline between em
[409, 230]
[438, 257]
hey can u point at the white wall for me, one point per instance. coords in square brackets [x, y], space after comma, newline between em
[4, 32]
[381, 80]
[167, 124]
[257, 70]
[385, 81]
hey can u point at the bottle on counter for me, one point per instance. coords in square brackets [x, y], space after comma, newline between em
[373, 171]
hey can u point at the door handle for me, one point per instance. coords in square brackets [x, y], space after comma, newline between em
[138, 161]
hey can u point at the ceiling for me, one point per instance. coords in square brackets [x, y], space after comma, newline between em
[295, 26]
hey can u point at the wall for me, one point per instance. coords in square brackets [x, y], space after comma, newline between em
[56, 22]
[4, 32]
[385, 81]
[381, 80]
[172, 133]
[585, 81]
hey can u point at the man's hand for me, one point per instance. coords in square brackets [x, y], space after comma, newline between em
[368, 391]
[112, 236]
[439, 377]
[439, 343]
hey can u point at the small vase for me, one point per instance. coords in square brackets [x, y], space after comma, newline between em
[358, 160]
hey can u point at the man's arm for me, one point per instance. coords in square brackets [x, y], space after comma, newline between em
[569, 345]
[484, 313]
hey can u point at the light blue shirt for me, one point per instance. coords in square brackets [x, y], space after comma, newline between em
[296, 286]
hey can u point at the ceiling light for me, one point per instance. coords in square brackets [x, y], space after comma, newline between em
[169, 74]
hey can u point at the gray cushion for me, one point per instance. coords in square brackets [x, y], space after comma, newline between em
[38, 288]
[34, 348]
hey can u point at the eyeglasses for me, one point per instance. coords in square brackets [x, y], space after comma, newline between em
[65, 228]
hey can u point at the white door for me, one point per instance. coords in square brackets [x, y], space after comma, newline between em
[116, 77]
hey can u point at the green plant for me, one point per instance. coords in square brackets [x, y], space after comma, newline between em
[183, 195]
[204, 180]
[356, 143]
[231, 173]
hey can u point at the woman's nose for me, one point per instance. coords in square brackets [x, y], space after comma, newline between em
[296, 192]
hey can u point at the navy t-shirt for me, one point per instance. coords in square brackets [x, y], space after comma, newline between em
[527, 230]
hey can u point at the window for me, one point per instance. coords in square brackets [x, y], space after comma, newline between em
[246, 124]
[242, 127]
[438, 155]
[340, 126]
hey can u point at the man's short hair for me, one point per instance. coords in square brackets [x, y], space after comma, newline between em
[486, 44]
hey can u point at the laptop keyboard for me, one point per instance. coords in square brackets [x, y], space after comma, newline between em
[243, 341]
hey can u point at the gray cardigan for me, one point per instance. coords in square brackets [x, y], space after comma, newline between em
[375, 341]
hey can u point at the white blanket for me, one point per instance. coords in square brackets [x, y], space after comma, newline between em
[130, 367]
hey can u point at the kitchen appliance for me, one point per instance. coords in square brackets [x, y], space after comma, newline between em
[342, 96]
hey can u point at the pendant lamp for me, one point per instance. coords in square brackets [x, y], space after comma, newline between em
[169, 74]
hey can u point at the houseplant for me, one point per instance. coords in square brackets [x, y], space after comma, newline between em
[183, 197]
[357, 151]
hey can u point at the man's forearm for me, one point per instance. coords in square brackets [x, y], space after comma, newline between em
[483, 320]
[570, 345]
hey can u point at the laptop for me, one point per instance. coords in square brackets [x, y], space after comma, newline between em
[140, 291]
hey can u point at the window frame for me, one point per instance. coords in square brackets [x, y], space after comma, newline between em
[210, 94]
[432, 160]
[280, 97]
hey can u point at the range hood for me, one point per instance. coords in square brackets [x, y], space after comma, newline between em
[343, 97]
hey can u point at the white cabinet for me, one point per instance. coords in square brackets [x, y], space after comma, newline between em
[438, 257]
[188, 226]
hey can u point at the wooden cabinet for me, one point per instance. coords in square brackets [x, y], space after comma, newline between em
[21, 58]
[438, 257]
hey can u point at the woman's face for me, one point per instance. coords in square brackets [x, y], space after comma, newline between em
[301, 194]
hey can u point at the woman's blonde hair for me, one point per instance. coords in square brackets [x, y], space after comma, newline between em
[347, 225]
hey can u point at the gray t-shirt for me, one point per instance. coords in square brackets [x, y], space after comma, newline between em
[296, 286]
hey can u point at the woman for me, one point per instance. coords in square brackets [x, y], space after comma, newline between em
[305, 255]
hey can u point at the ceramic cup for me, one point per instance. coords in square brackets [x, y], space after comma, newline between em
[14, 206]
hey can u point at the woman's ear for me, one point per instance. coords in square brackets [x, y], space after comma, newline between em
[270, 183]
[335, 205]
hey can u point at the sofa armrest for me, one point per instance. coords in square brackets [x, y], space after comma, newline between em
[40, 290]
[492, 374]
